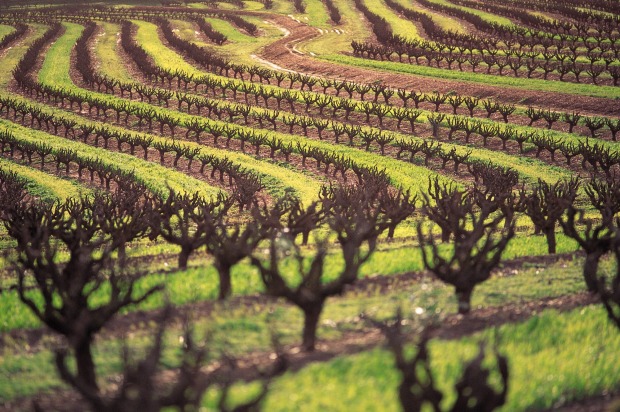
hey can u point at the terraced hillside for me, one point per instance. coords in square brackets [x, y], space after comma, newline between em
[452, 167]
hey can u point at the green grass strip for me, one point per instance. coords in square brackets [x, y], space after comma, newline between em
[12, 56]
[186, 30]
[445, 22]
[42, 185]
[148, 38]
[239, 330]
[157, 178]
[553, 358]
[253, 5]
[489, 17]
[351, 27]
[400, 26]
[107, 48]
[5, 29]
[230, 31]
[240, 47]
[315, 15]
[200, 281]
[606, 92]
[55, 71]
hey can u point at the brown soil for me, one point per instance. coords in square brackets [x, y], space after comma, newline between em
[603, 403]
[281, 53]
[454, 327]
[121, 325]
[355, 118]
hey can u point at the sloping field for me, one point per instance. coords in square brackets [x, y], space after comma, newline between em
[309, 205]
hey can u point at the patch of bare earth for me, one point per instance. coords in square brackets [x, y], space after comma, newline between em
[281, 52]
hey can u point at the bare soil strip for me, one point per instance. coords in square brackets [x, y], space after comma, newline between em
[121, 325]
[282, 53]
[248, 368]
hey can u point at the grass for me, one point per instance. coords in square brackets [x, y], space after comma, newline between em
[489, 17]
[607, 92]
[445, 22]
[239, 46]
[12, 56]
[331, 42]
[5, 30]
[199, 283]
[230, 31]
[316, 14]
[253, 5]
[186, 30]
[157, 178]
[147, 37]
[43, 185]
[400, 26]
[242, 329]
[553, 358]
[283, 7]
[106, 50]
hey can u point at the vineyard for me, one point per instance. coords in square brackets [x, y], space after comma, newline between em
[309, 205]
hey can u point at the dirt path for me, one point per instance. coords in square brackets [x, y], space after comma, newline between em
[284, 53]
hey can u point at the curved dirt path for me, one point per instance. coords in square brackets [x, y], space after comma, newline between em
[284, 53]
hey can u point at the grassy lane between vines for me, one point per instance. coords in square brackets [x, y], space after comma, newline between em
[239, 329]
[489, 17]
[553, 358]
[606, 92]
[12, 56]
[399, 25]
[107, 52]
[5, 30]
[43, 185]
[155, 177]
[444, 21]
[199, 283]
[531, 169]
